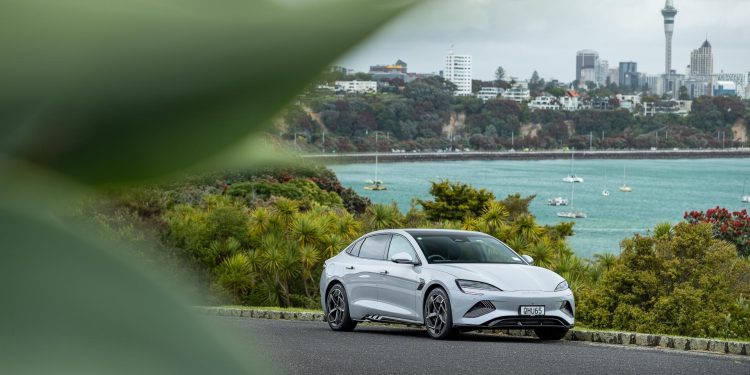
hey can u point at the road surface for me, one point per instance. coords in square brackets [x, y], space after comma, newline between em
[312, 348]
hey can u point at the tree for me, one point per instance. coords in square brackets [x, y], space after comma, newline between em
[455, 201]
[499, 74]
[683, 93]
[534, 77]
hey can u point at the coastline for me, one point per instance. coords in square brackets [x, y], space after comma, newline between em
[389, 157]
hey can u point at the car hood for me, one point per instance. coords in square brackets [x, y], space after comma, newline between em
[508, 277]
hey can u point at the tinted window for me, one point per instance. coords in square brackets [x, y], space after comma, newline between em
[353, 249]
[399, 244]
[374, 246]
[450, 248]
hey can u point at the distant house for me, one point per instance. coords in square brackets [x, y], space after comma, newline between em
[519, 92]
[570, 102]
[357, 87]
[676, 107]
[545, 102]
[487, 93]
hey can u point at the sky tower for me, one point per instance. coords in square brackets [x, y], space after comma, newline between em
[668, 12]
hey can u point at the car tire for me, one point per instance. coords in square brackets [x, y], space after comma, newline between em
[438, 316]
[550, 333]
[337, 309]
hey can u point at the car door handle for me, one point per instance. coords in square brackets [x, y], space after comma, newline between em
[349, 267]
[384, 272]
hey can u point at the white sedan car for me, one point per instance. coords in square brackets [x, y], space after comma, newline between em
[447, 280]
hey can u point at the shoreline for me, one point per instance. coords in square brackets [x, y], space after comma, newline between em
[387, 157]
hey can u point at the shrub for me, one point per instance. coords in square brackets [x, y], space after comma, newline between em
[732, 227]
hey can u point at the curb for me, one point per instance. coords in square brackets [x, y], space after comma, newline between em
[604, 337]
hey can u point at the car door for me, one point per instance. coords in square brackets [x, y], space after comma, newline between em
[398, 292]
[363, 275]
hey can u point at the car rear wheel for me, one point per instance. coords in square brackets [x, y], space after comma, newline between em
[550, 333]
[337, 309]
[437, 315]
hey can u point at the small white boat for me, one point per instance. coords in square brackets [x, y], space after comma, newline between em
[571, 177]
[375, 185]
[557, 201]
[605, 192]
[572, 215]
[624, 188]
[746, 198]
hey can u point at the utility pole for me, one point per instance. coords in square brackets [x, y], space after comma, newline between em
[512, 141]
[591, 141]
[324, 142]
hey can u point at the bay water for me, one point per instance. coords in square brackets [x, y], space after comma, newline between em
[662, 190]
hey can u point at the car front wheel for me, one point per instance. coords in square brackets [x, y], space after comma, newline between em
[550, 333]
[437, 315]
[337, 309]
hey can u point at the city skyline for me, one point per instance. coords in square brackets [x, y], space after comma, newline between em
[523, 36]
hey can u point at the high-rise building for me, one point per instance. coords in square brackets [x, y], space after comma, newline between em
[669, 12]
[458, 71]
[614, 76]
[602, 72]
[629, 75]
[702, 60]
[739, 79]
[586, 59]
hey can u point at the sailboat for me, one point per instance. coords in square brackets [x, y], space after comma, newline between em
[572, 214]
[571, 177]
[605, 192]
[624, 188]
[375, 184]
[745, 197]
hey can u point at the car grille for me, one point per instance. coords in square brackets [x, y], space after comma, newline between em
[479, 309]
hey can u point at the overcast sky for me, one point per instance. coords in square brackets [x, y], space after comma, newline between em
[544, 35]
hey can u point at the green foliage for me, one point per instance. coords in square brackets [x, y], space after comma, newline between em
[455, 201]
[686, 284]
[299, 189]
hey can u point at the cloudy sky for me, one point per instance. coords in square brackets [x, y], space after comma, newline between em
[544, 35]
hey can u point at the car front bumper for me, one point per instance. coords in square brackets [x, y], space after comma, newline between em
[502, 309]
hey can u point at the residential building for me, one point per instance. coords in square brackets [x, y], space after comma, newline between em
[570, 102]
[697, 87]
[519, 92]
[702, 61]
[458, 71]
[487, 93]
[614, 76]
[722, 88]
[629, 102]
[586, 59]
[629, 76]
[676, 107]
[544, 102]
[357, 87]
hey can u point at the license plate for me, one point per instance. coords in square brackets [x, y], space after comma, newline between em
[532, 310]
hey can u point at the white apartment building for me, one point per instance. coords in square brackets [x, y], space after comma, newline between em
[519, 92]
[544, 102]
[487, 93]
[357, 87]
[458, 71]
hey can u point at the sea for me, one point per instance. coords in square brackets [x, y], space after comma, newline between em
[662, 190]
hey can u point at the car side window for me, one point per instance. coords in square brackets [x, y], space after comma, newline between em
[399, 244]
[374, 246]
[353, 249]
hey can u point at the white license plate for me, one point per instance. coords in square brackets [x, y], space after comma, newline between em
[532, 310]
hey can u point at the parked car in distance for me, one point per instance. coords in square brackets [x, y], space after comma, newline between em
[447, 280]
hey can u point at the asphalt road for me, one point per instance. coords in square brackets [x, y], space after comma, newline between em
[312, 348]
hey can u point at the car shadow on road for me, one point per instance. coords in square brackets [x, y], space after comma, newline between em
[464, 336]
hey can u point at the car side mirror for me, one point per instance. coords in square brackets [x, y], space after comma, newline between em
[528, 259]
[402, 258]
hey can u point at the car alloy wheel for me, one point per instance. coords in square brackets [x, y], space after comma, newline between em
[337, 310]
[437, 315]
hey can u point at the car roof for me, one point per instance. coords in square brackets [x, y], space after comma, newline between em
[427, 232]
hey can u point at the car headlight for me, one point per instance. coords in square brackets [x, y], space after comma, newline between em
[562, 286]
[475, 287]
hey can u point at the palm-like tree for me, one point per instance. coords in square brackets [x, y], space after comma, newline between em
[332, 243]
[346, 225]
[605, 261]
[309, 259]
[495, 215]
[235, 275]
[306, 230]
[260, 222]
[517, 243]
[284, 211]
[663, 230]
[381, 216]
[543, 252]
[526, 227]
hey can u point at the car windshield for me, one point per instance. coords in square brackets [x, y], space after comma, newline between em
[451, 248]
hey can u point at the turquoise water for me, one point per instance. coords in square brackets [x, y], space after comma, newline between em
[662, 190]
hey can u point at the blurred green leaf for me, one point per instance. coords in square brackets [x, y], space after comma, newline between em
[71, 306]
[108, 91]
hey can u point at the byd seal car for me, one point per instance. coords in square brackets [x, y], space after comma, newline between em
[446, 280]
